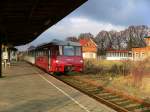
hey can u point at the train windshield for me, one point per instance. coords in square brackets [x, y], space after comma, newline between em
[71, 51]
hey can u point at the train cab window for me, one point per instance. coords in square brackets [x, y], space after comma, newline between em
[78, 51]
[68, 51]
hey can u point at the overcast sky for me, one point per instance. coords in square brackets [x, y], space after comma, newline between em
[97, 15]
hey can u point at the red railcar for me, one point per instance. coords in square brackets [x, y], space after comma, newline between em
[59, 56]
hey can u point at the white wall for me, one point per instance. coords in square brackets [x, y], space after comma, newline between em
[89, 55]
[117, 58]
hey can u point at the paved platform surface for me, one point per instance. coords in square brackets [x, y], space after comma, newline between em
[25, 88]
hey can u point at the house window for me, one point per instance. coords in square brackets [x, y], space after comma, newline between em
[91, 55]
[120, 54]
[136, 54]
[123, 54]
[109, 54]
[113, 54]
[143, 54]
[116, 54]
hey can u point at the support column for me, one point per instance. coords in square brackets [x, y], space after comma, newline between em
[2, 41]
[1, 60]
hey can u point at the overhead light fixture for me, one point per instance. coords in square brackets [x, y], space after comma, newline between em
[35, 33]
[47, 22]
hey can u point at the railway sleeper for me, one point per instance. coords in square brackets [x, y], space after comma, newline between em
[113, 105]
[105, 94]
[85, 86]
[111, 97]
[100, 93]
[118, 100]
[145, 109]
[127, 103]
[82, 84]
[108, 96]
[92, 90]
[135, 108]
[75, 83]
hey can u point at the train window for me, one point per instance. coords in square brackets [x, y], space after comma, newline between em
[37, 53]
[42, 53]
[68, 50]
[78, 51]
[46, 52]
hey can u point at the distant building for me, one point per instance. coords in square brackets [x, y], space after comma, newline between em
[142, 53]
[118, 55]
[89, 48]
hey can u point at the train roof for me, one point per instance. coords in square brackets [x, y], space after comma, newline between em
[59, 42]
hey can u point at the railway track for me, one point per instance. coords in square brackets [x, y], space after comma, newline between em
[115, 101]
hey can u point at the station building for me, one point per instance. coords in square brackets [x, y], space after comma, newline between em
[139, 54]
[118, 55]
[89, 48]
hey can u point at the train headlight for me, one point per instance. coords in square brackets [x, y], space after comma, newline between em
[81, 61]
[56, 61]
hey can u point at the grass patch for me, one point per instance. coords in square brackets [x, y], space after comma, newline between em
[130, 77]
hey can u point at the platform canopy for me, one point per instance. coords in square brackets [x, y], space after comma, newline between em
[21, 21]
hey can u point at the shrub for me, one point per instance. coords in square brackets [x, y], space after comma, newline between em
[106, 67]
[139, 69]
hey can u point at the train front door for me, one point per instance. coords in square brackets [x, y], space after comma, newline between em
[49, 59]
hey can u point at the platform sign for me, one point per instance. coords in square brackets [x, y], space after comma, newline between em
[5, 55]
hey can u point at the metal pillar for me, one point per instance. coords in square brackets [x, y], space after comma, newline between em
[1, 60]
[2, 41]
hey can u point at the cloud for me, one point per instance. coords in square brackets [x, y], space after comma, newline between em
[119, 12]
[73, 26]
[97, 15]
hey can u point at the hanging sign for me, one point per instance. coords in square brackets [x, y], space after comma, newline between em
[5, 55]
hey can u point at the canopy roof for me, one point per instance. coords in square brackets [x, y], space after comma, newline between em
[21, 21]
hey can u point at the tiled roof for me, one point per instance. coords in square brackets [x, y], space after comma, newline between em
[84, 41]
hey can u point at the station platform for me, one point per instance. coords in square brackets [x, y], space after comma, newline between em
[26, 88]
